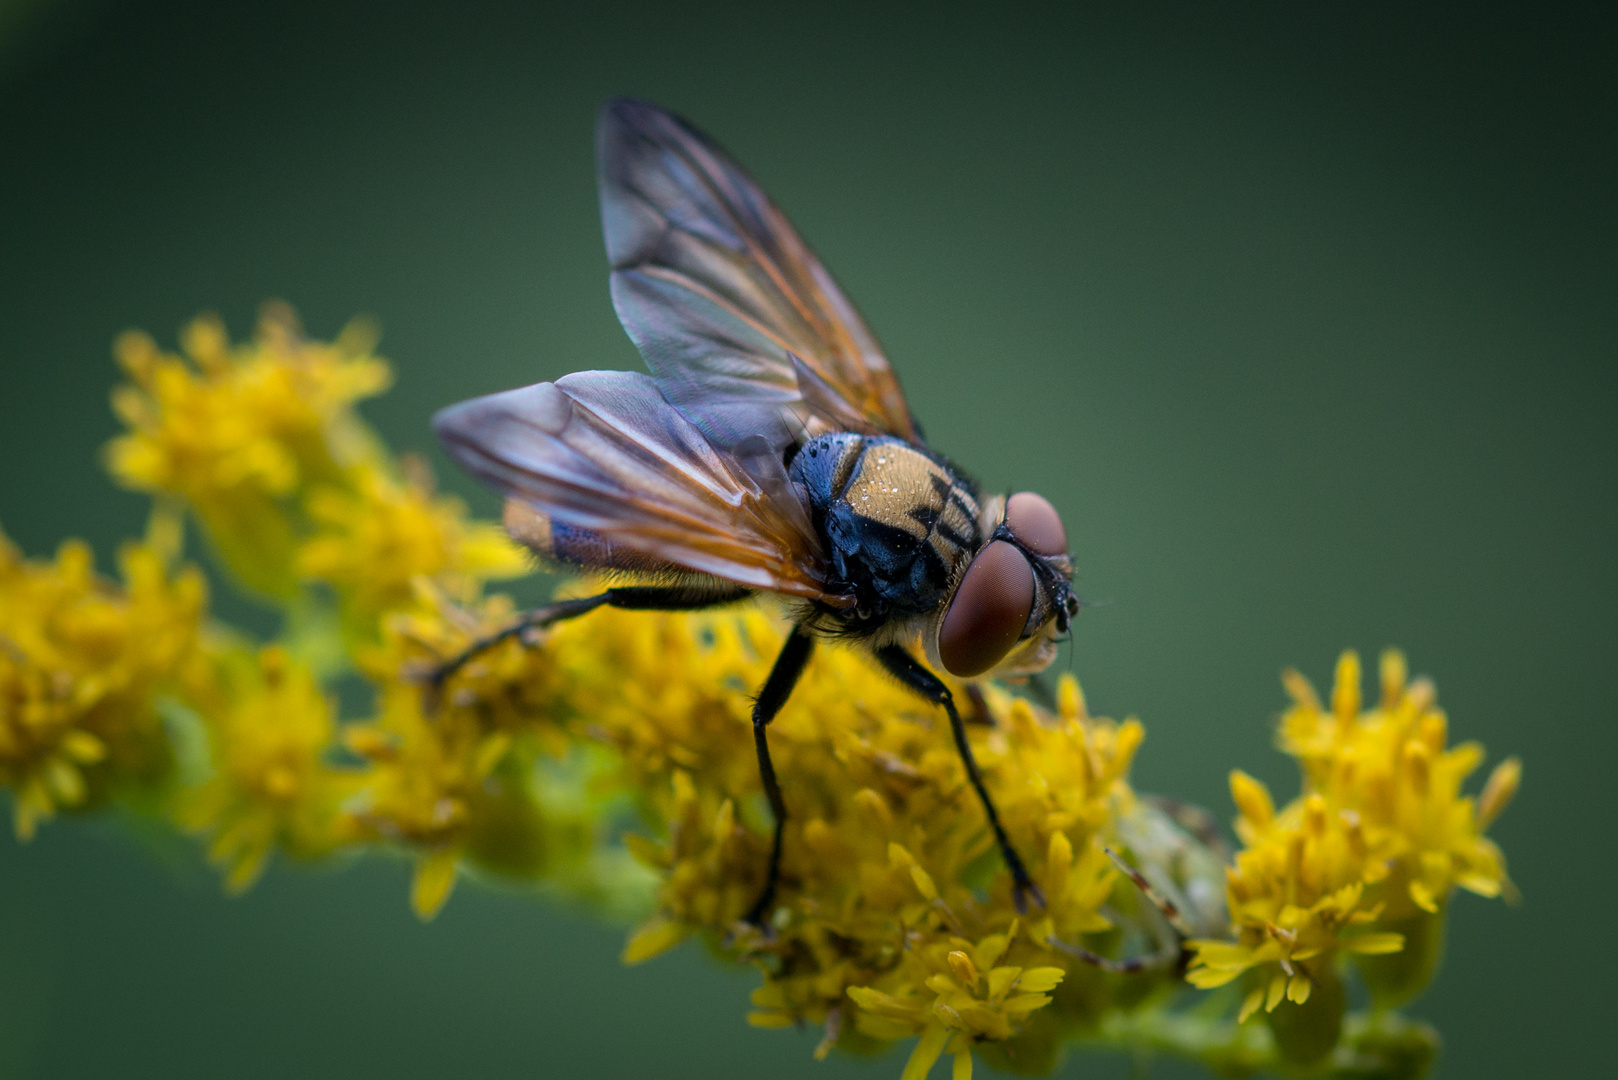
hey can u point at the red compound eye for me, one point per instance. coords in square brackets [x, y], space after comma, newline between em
[1033, 520]
[989, 610]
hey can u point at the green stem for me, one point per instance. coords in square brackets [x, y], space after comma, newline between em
[1374, 1046]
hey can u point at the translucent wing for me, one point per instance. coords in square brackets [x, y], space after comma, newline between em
[602, 455]
[743, 327]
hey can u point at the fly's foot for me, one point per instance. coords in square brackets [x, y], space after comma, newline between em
[1023, 890]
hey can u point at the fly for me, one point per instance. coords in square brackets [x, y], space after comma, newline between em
[769, 450]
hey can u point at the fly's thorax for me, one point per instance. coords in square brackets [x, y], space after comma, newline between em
[822, 466]
[897, 522]
[904, 488]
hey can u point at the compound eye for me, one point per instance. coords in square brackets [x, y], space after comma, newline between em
[988, 612]
[1033, 520]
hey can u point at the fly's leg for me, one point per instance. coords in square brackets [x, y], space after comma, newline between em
[979, 712]
[630, 598]
[537, 619]
[1156, 961]
[784, 676]
[1169, 951]
[1163, 904]
[907, 670]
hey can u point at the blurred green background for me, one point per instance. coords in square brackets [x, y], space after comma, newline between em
[1303, 314]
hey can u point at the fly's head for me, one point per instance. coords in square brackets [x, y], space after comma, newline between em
[1015, 599]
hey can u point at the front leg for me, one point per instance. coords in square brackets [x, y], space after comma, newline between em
[909, 671]
[784, 676]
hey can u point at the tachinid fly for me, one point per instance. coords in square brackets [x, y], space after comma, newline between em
[770, 450]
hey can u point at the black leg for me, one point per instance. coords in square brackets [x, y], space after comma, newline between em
[777, 688]
[979, 712]
[907, 670]
[631, 598]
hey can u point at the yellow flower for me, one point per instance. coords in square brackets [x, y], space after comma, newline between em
[888, 863]
[272, 785]
[236, 431]
[260, 440]
[423, 781]
[1369, 851]
[895, 917]
[1291, 935]
[964, 994]
[82, 662]
[374, 535]
[1391, 766]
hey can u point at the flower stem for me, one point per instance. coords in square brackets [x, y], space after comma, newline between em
[1375, 1046]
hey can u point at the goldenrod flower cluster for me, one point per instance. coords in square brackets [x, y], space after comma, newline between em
[260, 442]
[270, 786]
[612, 759]
[1362, 863]
[81, 663]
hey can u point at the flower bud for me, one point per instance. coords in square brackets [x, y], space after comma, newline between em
[1305, 1033]
[1394, 979]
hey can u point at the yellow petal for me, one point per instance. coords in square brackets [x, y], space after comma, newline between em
[1498, 792]
[1482, 884]
[961, 964]
[433, 881]
[1251, 1004]
[989, 950]
[1040, 979]
[1001, 978]
[247, 867]
[1300, 689]
[654, 938]
[926, 1052]
[25, 817]
[1374, 944]
[771, 1019]
[1070, 698]
[85, 748]
[1223, 954]
[1018, 1005]
[924, 883]
[1208, 978]
[963, 1065]
[1423, 896]
[1252, 799]
[1345, 690]
[1394, 672]
[1058, 864]
[769, 996]
[1278, 990]
[64, 780]
[875, 1001]
[1298, 989]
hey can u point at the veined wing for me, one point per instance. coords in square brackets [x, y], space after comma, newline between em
[744, 329]
[603, 453]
